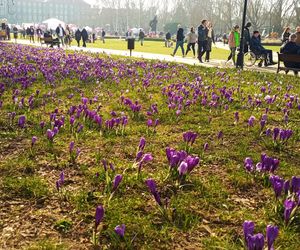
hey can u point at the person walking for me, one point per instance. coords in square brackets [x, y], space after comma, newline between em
[191, 41]
[141, 37]
[202, 39]
[103, 35]
[31, 34]
[210, 40]
[78, 37]
[39, 33]
[84, 36]
[286, 35]
[179, 41]
[15, 32]
[8, 32]
[60, 32]
[68, 36]
[247, 37]
[233, 42]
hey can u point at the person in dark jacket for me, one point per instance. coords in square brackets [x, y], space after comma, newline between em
[257, 48]
[60, 32]
[31, 34]
[78, 37]
[84, 36]
[39, 33]
[247, 37]
[7, 32]
[27, 32]
[168, 39]
[291, 48]
[202, 39]
[141, 37]
[179, 41]
[103, 35]
[15, 31]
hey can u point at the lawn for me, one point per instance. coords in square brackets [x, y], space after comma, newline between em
[152, 47]
[100, 152]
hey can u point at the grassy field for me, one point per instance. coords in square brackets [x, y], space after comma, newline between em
[50, 187]
[152, 47]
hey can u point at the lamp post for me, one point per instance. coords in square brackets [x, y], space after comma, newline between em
[240, 57]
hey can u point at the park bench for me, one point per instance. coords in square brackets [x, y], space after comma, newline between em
[288, 58]
[49, 41]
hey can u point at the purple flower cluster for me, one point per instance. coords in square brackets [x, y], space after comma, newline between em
[181, 160]
[134, 106]
[257, 241]
[119, 122]
[266, 164]
[189, 137]
[142, 158]
[279, 134]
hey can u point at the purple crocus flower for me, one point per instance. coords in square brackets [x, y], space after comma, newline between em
[71, 146]
[256, 242]
[62, 177]
[289, 205]
[295, 184]
[275, 133]
[42, 124]
[50, 134]
[139, 155]
[248, 163]
[116, 182]
[98, 216]
[248, 227]
[142, 144]
[220, 135]
[104, 162]
[183, 168]
[147, 157]
[61, 180]
[262, 124]
[236, 117]
[21, 121]
[120, 230]
[272, 233]
[33, 140]
[205, 147]
[72, 120]
[149, 123]
[251, 121]
[277, 184]
[80, 128]
[152, 187]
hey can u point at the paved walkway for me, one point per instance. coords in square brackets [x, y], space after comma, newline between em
[168, 58]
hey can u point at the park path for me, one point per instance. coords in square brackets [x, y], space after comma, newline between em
[168, 58]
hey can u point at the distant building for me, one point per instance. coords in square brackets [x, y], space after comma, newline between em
[35, 11]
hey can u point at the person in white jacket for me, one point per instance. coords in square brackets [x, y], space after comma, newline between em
[191, 41]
